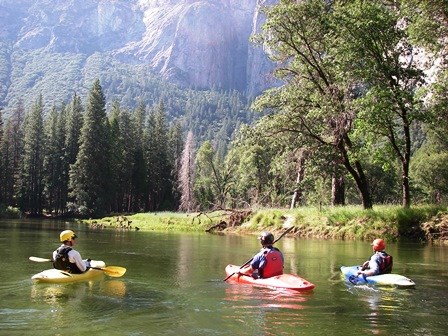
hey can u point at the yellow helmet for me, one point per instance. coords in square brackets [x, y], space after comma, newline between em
[67, 235]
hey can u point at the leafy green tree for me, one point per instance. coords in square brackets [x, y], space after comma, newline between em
[31, 183]
[427, 22]
[213, 178]
[314, 102]
[90, 174]
[374, 50]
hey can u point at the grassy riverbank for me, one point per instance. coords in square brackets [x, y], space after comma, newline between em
[350, 222]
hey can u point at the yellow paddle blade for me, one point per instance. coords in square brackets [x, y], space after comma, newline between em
[112, 271]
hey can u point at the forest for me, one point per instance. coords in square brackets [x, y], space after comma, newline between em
[361, 118]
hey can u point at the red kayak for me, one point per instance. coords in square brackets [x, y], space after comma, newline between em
[284, 281]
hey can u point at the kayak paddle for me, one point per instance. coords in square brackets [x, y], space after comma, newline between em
[112, 271]
[247, 262]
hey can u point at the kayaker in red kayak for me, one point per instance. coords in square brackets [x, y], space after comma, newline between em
[66, 258]
[266, 263]
[380, 262]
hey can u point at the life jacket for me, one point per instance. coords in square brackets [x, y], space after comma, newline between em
[62, 261]
[273, 263]
[386, 263]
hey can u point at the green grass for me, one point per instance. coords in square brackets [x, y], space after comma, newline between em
[350, 222]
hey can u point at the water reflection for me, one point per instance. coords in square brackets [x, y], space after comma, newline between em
[115, 288]
[55, 294]
[59, 293]
[265, 311]
[382, 306]
[254, 297]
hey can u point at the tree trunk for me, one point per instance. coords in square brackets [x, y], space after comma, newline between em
[358, 175]
[337, 190]
[296, 197]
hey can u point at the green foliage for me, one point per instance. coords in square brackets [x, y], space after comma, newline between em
[31, 182]
[90, 175]
[9, 212]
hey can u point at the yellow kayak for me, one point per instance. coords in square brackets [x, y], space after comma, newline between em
[58, 276]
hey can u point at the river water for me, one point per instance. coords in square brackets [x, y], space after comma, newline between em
[173, 286]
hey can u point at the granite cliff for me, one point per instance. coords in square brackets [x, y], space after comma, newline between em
[194, 43]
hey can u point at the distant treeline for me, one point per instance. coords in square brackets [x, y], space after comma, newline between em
[83, 160]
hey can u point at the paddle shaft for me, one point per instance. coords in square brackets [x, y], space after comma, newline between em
[247, 262]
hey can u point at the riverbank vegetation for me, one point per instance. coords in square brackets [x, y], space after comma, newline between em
[393, 223]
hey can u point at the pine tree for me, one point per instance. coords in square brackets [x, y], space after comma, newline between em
[139, 187]
[73, 128]
[90, 175]
[159, 168]
[122, 156]
[31, 168]
[54, 163]
[176, 145]
[7, 169]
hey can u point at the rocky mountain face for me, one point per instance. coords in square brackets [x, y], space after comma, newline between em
[195, 43]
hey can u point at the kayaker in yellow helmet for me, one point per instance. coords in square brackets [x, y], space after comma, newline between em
[68, 259]
[266, 263]
[380, 262]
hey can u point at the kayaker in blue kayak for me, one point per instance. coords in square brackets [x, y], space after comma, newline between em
[66, 258]
[266, 263]
[380, 262]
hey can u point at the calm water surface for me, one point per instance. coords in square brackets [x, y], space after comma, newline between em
[173, 286]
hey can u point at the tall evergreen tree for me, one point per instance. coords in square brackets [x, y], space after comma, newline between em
[138, 183]
[176, 145]
[122, 157]
[31, 182]
[73, 128]
[12, 151]
[90, 175]
[159, 167]
[7, 169]
[54, 162]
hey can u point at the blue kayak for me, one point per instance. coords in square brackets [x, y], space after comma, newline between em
[391, 279]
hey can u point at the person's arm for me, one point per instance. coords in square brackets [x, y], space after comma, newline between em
[246, 270]
[249, 269]
[373, 267]
[75, 257]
